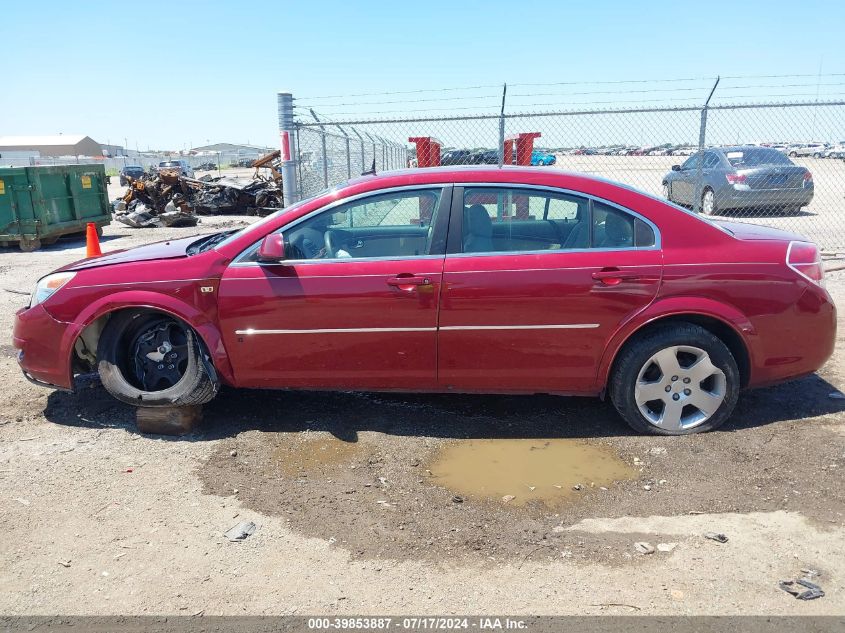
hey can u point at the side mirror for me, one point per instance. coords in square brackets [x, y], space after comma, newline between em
[272, 249]
[676, 168]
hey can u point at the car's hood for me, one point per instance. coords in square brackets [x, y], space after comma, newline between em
[746, 231]
[158, 250]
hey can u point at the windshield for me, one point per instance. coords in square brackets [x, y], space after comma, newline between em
[756, 157]
[169, 163]
[207, 242]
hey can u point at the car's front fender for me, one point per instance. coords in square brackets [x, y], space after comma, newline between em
[198, 320]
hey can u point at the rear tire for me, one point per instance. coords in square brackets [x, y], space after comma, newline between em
[676, 380]
[708, 202]
[179, 378]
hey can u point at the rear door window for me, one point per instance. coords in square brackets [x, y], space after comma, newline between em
[509, 220]
[503, 219]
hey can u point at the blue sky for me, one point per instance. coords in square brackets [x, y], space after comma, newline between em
[176, 74]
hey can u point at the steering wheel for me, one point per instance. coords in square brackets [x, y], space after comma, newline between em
[327, 238]
[335, 240]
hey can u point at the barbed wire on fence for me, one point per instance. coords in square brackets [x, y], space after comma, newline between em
[650, 147]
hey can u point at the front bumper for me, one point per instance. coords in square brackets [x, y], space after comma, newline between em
[39, 339]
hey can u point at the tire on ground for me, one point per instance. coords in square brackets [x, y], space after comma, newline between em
[195, 387]
[715, 209]
[639, 350]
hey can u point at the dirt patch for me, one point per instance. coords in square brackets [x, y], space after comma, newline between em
[381, 497]
[302, 455]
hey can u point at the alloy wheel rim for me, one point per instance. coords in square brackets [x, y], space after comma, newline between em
[709, 201]
[679, 388]
[160, 355]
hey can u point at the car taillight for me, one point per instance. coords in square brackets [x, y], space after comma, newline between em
[808, 177]
[805, 259]
[737, 179]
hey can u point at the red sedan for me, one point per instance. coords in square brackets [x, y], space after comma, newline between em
[495, 280]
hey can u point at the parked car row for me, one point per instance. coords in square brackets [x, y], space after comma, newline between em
[816, 149]
[631, 150]
[491, 157]
[793, 150]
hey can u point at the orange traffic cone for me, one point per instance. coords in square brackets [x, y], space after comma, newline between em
[92, 242]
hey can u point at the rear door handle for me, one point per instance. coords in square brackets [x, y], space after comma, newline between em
[612, 277]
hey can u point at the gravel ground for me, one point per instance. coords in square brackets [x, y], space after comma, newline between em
[98, 519]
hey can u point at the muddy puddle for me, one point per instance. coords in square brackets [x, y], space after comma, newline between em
[519, 471]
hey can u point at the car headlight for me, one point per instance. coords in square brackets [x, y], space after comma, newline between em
[48, 286]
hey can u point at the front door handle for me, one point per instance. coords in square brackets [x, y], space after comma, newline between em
[408, 282]
[614, 276]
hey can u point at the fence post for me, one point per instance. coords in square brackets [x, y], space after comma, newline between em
[384, 166]
[287, 129]
[502, 127]
[373, 141]
[702, 132]
[325, 152]
[348, 154]
[360, 140]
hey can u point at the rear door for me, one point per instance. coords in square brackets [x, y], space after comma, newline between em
[538, 320]
[355, 304]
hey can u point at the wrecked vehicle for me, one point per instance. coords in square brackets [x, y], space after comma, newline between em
[406, 282]
[171, 199]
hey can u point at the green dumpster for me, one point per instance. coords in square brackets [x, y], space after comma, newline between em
[40, 204]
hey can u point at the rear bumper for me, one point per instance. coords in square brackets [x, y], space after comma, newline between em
[750, 198]
[797, 342]
[38, 337]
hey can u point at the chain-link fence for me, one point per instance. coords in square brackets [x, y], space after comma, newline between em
[774, 163]
[208, 161]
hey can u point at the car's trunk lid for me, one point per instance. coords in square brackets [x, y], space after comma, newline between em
[745, 231]
[774, 176]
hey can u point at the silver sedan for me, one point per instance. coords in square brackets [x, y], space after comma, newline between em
[741, 177]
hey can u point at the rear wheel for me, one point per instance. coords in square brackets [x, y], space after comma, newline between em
[154, 360]
[708, 202]
[674, 381]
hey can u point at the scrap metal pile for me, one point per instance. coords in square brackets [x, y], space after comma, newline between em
[167, 198]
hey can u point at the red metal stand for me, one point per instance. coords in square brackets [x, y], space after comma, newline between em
[428, 150]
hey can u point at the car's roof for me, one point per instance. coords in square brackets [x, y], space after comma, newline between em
[480, 173]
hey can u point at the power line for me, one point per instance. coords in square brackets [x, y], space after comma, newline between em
[567, 83]
[557, 104]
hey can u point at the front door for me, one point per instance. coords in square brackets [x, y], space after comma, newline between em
[354, 305]
[543, 280]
